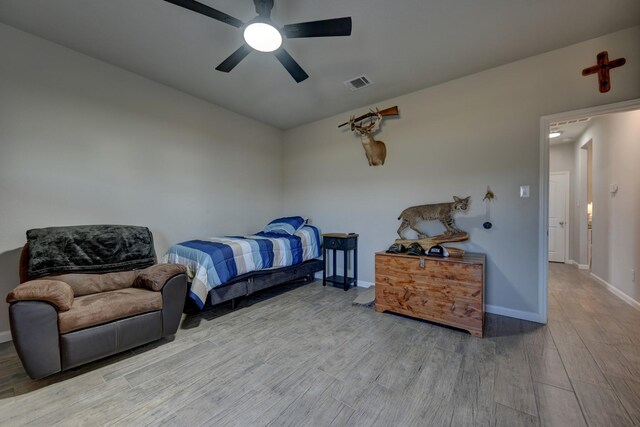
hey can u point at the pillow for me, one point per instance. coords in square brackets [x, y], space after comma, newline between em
[286, 225]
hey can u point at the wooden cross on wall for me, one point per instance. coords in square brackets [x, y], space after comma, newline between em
[602, 68]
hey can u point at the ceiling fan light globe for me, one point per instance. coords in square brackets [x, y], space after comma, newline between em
[262, 37]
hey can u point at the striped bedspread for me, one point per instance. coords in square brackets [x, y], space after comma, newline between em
[214, 261]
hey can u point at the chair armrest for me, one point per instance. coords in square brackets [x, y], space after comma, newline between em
[155, 277]
[34, 329]
[54, 292]
[174, 294]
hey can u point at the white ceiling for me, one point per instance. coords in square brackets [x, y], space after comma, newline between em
[401, 45]
[570, 130]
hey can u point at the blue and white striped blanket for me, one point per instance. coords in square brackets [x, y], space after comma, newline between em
[214, 261]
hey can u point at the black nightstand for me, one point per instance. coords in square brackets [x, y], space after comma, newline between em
[340, 242]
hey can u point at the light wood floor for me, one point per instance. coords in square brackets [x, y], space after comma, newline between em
[306, 356]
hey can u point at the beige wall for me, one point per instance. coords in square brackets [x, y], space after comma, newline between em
[455, 139]
[616, 231]
[561, 158]
[83, 142]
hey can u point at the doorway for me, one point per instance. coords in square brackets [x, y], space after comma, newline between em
[559, 190]
[588, 175]
[578, 207]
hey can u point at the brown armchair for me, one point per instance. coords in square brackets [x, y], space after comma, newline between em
[63, 320]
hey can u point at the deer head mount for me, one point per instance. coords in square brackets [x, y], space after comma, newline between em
[375, 151]
[365, 126]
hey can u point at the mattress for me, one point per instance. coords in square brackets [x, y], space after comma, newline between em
[214, 261]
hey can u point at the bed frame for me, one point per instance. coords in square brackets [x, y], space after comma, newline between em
[249, 283]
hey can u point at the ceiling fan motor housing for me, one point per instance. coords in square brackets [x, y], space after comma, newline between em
[263, 7]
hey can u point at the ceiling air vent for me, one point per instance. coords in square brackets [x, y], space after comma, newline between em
[358, 82]
[570, 122]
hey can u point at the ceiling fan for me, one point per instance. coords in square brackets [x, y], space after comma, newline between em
[261, 33]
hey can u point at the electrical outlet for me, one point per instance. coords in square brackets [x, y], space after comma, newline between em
[524, 191]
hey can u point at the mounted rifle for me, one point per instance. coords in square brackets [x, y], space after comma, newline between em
[391, 111]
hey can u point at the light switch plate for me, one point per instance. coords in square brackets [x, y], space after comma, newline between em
[524, 191]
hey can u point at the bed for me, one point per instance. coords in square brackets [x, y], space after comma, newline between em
[224, 268]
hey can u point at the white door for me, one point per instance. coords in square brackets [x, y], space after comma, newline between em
[558, 209]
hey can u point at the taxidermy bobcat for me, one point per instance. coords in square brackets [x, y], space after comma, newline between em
[442, 212]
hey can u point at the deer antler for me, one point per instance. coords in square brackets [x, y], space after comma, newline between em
[372, 126]
[375, 114]
[352, 122]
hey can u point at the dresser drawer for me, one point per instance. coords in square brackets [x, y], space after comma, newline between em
[339, 243]
[425, 271]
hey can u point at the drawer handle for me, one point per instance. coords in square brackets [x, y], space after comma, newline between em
[453, 306]
[421, 262]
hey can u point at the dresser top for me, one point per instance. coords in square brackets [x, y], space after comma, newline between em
[468, 258]
[340, 235]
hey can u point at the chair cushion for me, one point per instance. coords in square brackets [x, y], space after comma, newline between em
[86, 284]
[96, 309]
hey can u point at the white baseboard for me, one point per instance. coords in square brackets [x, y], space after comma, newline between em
[517, 314]
[363, 284]
[5, 336]
[617, 292]
[580, 266]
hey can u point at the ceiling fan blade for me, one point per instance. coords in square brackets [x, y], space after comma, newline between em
[291, 65]
[325, 28]
[234, 59]
[207, 11]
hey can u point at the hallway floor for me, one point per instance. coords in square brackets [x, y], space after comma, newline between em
[593, 340]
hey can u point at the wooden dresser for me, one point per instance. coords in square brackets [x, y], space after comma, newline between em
[449, 290]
